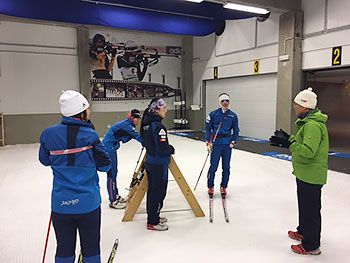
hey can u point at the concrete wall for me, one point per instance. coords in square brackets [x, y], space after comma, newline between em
[326, 24]
[234, 53]
[37, 62]
[26, 128]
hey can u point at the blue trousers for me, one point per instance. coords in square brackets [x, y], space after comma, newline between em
[66, 226]
[222, 151]
[157, 176]
[112, 188]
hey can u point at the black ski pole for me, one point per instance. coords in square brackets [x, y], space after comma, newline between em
[138, 160]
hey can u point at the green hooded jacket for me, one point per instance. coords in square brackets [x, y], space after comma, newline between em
[310, 149]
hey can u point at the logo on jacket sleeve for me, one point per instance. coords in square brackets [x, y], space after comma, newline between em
[208, 119]
[162, 134]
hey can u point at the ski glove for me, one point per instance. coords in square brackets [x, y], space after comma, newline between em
[114, 52]
[281, 133]
[209, 146]
[232, 144]
[280, 139]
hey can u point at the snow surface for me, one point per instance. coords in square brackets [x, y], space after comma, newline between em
[261, 202]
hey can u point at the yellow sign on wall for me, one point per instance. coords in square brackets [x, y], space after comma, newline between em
[216, 72]
[257, 66]
[336, 56]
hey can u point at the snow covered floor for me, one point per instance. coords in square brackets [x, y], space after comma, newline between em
[261, 201]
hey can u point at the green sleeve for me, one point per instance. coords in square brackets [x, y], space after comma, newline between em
[310, 141]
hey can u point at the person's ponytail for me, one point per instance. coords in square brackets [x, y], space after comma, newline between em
[142, 124]
[144, 114]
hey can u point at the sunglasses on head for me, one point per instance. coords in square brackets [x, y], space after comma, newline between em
[225, 101]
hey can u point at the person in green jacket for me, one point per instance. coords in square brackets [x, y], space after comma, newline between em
[309, 147]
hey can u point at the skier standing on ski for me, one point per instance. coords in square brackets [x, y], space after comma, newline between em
[155, 138]
[74, 152]
[309, 147]
[122, 131]
[227, 122]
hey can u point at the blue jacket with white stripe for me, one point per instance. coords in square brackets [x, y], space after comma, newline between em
[229, 126]
[76, 183]
[122, 131]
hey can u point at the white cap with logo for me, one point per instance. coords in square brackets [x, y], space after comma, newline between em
[306, 98]
[72, 103]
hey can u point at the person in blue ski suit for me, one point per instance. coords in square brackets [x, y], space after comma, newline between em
[227, 122]
[122, 131]
[154, 135]
[74, 152]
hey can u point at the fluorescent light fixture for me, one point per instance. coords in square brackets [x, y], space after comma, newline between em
[246, 8]
[196, 1]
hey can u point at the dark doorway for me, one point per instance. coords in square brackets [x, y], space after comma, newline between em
[333, 91]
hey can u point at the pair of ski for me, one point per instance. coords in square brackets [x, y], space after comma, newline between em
[111, 255]
[211, 208]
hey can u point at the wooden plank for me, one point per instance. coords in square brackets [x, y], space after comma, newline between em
[134, 202]
[138, 192]
[186, 190]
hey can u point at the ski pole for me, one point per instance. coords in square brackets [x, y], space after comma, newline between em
[137, 164]
[47, 237]
[216, 134]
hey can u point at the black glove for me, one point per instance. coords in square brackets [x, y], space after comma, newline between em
[172, 149]
[282, 134]
[139, 57]
[113, 52]
[280, 139]
[109, 47]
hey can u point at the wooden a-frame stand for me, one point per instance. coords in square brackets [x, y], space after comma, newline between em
[138, 192]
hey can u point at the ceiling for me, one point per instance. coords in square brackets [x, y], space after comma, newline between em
[165, 16]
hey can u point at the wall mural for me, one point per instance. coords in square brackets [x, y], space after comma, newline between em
[118, 70]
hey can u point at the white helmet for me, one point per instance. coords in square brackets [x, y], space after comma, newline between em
[72, 103]
[130, 46]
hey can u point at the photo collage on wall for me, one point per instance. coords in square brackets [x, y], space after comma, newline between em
[119, 70]
[109, 90]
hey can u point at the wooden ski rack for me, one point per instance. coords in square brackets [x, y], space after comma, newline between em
[139, 190]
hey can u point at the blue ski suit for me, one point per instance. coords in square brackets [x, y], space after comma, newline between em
[221, 148]
[75, 199]
[122, 131]
[155, 138]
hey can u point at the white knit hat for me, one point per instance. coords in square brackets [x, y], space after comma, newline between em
[72, 103]
[306, 98]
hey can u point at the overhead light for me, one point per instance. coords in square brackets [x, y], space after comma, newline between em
[245, 8]
[196, 1]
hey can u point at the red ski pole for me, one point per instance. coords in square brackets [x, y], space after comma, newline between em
[47, 237]
[216, 134]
